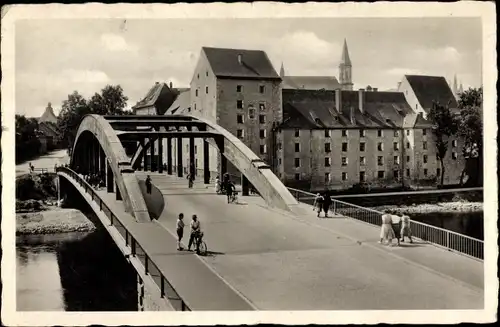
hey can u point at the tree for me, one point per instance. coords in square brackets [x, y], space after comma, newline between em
[72, 112]
[27, 140]
[470, 129]
[444, 126]
[110, 101]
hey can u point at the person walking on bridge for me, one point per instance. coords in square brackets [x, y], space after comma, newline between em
[327, 202]
[386, 231]
[396, 226]
[148, 184]
[318, 203]
[180, 230]
[405, 228]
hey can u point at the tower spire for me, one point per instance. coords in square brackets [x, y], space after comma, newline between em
[345, 55]
[282, 70]
[455, 87]
[345, 69]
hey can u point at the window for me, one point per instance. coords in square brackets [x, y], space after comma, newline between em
[262, 88]
[407, 132]
[206, 89]
[344, 161]
[263, 149]
[196, 93]
[239, 134]
[396, 133]
[206, 73]
[327, 133]
[362, 146]
[297, 177]
[297, 162]
[396, 174]
[424, 132]
[344, 176]
[425, 172]
[239, 119]
[239, 88]
[327, 177]
[362, 133]
[251, 113]
[454, 143]
[194, 107]
[239, 104]
[297, 147]
[361, 176]
[262, 133]
[280, 146]
[279, 161]
[407, 173]
[424, 145]
[407, 158]
[344, 147]
[262, 106]
[425, 158]
[380, 146]
[262, 119]
[344, 132]
[327, 162]
[454, 155]
[328, 147]
[297, 132]
[438, 172]
[379, 133]
[407, 145]
[381, 174]
[396, 146]
[362, 161]
[380, 160]
[396, 160]
[198, 76]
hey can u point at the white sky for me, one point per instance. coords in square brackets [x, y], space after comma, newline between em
[54, 57]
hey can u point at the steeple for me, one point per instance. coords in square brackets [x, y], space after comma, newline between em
[282, 70]
[345, 69]
[49, 115]
[455, 88]
[461, 88]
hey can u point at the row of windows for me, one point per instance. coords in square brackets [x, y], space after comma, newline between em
[239, 105]
[362, 146]
[362, 132]
[380, 174]
[240, 133]
[262, 88]
[240, 119]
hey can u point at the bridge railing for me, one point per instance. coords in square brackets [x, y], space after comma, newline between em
[450, 240]
[167, 291]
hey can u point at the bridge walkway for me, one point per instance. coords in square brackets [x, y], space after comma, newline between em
[281, 262]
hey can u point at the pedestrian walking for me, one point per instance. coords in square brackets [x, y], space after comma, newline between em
[386, 232]
[180, 230]
[318, 203]
[327, 202]
[148, 184]
[396, 226]
[217, 185]
[405, 228]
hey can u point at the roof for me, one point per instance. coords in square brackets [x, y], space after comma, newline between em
[160, 96]
[318, 109]
[429, 89]
[48, 115]
[182, 102]
[311, 82]
[254, 63]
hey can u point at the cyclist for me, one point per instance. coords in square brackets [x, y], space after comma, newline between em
[196, 234]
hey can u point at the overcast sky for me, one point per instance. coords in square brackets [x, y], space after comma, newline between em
[56, 57]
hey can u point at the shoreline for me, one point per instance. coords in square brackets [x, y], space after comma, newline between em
[442, 207]
[53, 221]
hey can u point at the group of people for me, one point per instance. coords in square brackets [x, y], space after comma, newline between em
[95, 180]
[395, 227]
[226, 186]
[195, 236]
[322, 202]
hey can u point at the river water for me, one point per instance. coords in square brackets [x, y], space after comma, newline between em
[73, 272]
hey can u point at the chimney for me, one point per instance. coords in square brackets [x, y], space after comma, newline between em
[351, 115]
[240, 59]
[338, 101]
[361, 96]
[171, 85]
[399, 84]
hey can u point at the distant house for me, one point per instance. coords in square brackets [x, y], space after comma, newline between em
[47, 128]
[156, 102]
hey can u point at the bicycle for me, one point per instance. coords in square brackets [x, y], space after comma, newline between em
[200, 244]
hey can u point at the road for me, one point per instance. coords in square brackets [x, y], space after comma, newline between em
[46, 161]
[279, 262]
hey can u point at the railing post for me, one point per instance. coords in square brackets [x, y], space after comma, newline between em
[162, 285]
[126, 237]
[448, 240]
[146, 263]
[100, 204]
[133, 246]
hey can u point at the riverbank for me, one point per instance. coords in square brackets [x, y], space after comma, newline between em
[441, 207]
[53, 221]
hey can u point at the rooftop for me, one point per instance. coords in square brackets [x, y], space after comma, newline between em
[160, 96]
[431, 88]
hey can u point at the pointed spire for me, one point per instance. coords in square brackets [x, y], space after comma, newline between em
[345, 60]
[282, 70]
[455, 88]
[461, 88]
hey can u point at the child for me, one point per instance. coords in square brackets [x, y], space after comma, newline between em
[180, 231]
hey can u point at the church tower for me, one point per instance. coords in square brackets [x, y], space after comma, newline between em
[345, 69]
[48, 115]
[282, 71]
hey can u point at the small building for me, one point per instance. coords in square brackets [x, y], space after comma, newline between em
[156, 102]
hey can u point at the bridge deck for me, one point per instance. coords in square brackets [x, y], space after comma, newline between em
[280, 262]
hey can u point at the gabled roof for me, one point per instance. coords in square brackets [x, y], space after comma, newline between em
[254, 63]
[48, 115]
[311, 82]
[431, 88]
[160, 96]
[182, 102]
[318, 109]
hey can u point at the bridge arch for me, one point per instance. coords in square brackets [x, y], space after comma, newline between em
[95, 128]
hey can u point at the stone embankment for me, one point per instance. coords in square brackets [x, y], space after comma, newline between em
[442, 207]
[52, 221]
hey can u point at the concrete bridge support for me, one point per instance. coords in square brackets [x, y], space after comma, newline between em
[160, 155]
[152, 156]
[109, 178]
[179, 157]
[206, 162]
[169, 156]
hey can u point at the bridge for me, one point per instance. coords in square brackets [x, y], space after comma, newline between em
[266, 252]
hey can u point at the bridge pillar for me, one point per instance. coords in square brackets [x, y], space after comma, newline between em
[160, 155]
[151, 157]
[102, 162]
[169, 156]
[245, 185]
[179, 156]
[95, 155]
[206, 162]
[118, 194]
[109, 178]
[191, 158]
[141, 161]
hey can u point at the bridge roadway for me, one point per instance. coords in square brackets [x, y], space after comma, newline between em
[269, 260]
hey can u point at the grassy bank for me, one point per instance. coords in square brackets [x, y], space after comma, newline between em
[52, 221]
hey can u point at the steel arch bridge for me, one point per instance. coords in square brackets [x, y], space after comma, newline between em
[101, 142]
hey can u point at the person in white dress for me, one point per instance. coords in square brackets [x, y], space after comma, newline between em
[406, 229]
[386, 232]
